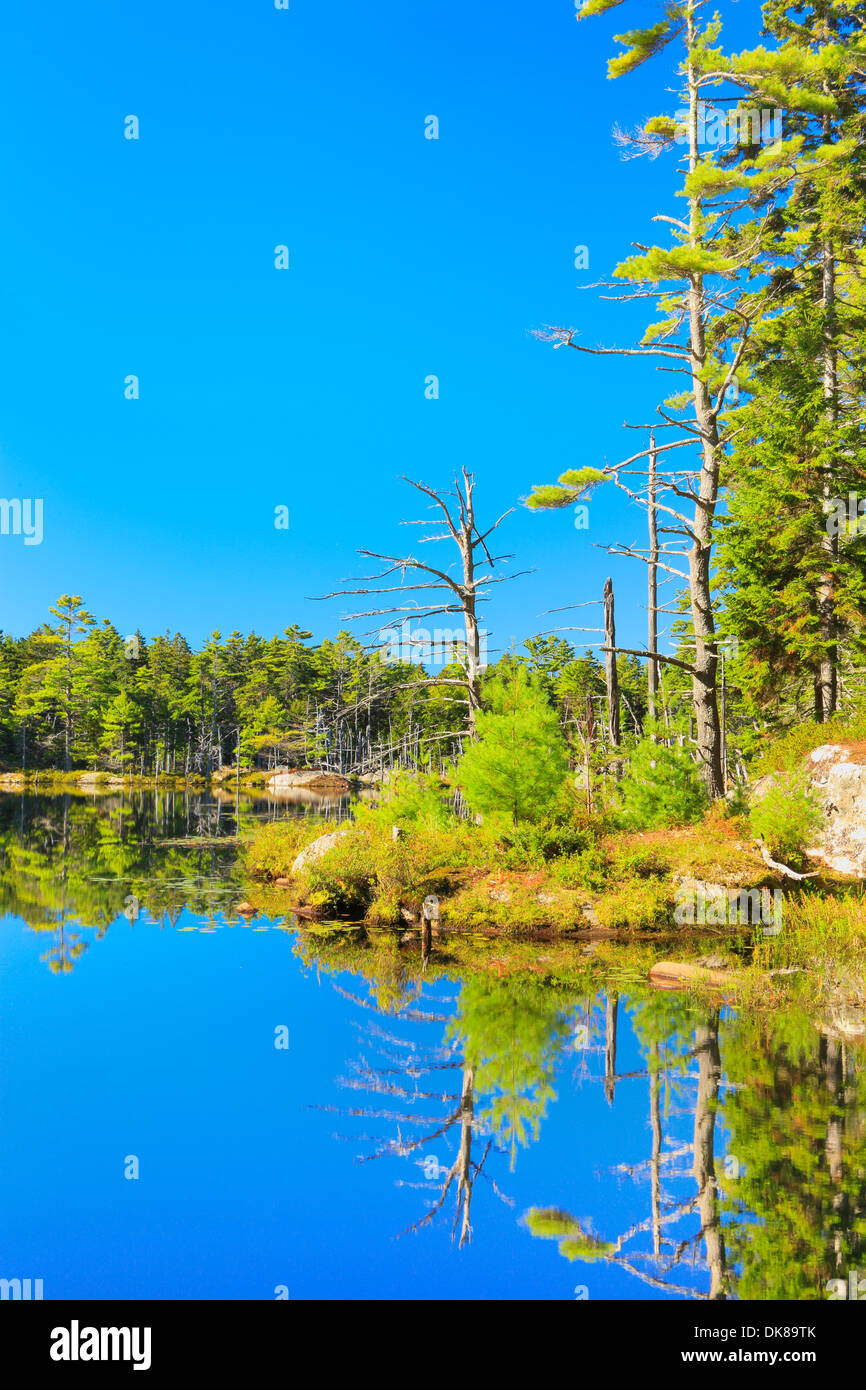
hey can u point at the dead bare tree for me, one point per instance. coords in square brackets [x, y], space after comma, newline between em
[652, 669]
[461, 594]
[644, 485]
[670, 1249]
[611, 678]
[396, 1074]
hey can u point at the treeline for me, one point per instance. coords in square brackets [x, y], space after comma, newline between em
[75, 694]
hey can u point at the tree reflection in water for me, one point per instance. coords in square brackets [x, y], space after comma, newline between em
[756, 1171]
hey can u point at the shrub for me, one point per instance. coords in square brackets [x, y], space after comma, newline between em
[637, 905]
[368, 870]
[788, 817]
[342, 880]
[639, 862]
[530, 845]
[786, 753]
[660, 788]
[737, 800]
[411, 801]
[589, 869]
[274, 848]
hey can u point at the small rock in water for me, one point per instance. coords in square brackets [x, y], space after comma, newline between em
[246, 909]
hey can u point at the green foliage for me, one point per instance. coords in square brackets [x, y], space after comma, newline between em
[409, 800]
[517, 764]
[74, 694]
[785, 753]
[787, 817]
[534, 843]
[575, 1243]
[636, 905]
[512, 1031]
[572, 484]
[641, 44]
[737, 800]
[588, 869]
[795, 1216]
[660, 788]
[274, 847]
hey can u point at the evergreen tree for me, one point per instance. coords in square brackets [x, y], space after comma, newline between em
[519, 760]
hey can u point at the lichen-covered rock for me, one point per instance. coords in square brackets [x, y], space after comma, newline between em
[837, 773]
[310, 853]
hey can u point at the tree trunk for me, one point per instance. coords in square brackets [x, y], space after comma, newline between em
[611, 1008]
[709, 737]
[655, 1164]
[652, 667]
[611, 678]
[709, 1078]
[463, 1164]
[470, 618]
[826, 691]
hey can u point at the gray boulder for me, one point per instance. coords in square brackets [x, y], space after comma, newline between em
[837, 773]
[310, 853]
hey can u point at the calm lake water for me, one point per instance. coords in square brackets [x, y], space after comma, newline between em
[430, 1129]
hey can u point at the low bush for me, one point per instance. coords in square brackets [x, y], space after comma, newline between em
[274, 848]
[787, 817]
[588, 869]
[637, 905]
[786, 753]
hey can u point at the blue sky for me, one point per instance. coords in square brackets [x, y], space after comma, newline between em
[305, 387]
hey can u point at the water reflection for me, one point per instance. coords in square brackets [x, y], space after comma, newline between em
[750, 1149]
[517, 1100]
[72, 864]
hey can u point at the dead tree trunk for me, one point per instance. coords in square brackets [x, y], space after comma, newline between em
[652, 669]
[611, 678]
[709, 1078]
[826, 692]
[655, 1165]
[611, 1009]
[461, 597]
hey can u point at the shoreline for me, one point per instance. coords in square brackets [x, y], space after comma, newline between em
[309, 780]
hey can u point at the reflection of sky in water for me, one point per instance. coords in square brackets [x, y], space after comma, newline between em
[161, 1044]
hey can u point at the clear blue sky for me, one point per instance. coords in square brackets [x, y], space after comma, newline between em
[305, 387]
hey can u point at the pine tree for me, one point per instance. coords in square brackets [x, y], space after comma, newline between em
[795, 588]
[519, 760]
